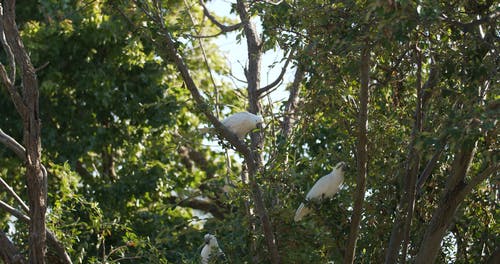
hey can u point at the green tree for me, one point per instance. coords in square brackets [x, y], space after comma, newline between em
[405, 92]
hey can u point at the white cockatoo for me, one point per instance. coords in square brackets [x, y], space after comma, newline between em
[325, 187]
[210, 249]
[240, 123]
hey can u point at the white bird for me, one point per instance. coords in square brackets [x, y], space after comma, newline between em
[210, 249]
[240, 123]
[325, 187]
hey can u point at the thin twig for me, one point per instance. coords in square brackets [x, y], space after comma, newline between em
[280, 77]
[14, 194]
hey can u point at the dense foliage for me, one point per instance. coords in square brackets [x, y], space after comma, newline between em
[132, 180]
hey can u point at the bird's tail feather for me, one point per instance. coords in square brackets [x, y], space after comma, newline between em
[301, 212]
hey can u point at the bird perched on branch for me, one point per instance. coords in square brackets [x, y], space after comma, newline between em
[240, 123]
[211, 249]
[325, 187]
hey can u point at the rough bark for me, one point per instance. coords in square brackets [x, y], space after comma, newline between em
[253, 79]
[362, 157]
[35, 176]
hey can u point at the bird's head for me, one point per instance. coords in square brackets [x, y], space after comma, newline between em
[208, 238]
[258, 121]
[341, 166]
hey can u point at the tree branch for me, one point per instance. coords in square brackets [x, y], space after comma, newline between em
[254, 45]
[293, 98]
[222, 27]
[400, 232]
[7, 80]
[14, 194]
[443, 215]
[431, 164]
[190, 154]
[13, 211]
[291, 103]
[171, 52]
[13, 145]
[413, 157]
[270, 86]
[51, 238]
[362, 156]
[20, 151]
[199, 204]
[468, 27]
[35, 176]
[8, 251]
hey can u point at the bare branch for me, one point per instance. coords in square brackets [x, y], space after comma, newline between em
[199, 204]
[204, 36]
[202, 105]
[18, 214]
[291, 103]
[478, 179]
[14, 94]
[429, 167]
[20, 152]
[196, 157]
[58, 247]
[14, 194]
[13, 145]
[170, 52]
[205, 59]
[280, 77]
[222, 27]
[8, 50]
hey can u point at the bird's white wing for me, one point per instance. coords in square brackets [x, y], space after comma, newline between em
[205, 253]
[241, 123]
[325, 187]
[320, 188]
[336, 181]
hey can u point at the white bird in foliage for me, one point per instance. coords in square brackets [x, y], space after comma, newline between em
[325, 187]
[240, 123]
[211, 249]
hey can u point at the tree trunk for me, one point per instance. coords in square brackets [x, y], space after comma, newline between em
[36, 177]
[253, 78]
[455, 192]
[362, 155]
[401, 228]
